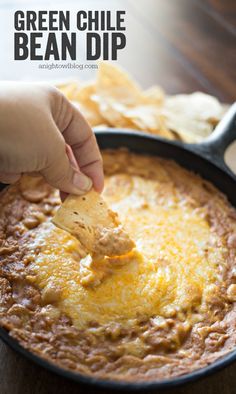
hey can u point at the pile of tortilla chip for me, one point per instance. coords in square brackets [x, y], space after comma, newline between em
[114, 99]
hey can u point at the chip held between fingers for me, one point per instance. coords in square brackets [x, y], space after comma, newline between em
[89, 219]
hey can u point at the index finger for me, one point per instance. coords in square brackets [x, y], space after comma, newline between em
[79, 135]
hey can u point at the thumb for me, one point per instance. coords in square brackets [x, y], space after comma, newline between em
[62, 175]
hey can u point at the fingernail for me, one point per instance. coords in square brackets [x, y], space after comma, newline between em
[82, 182]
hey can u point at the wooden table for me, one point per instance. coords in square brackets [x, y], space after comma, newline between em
[184, 45]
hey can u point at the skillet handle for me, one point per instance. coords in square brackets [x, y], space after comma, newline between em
[214, 147]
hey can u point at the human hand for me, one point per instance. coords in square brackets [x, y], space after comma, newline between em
[42, 132]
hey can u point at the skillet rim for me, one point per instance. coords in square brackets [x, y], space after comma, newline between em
[108, 384]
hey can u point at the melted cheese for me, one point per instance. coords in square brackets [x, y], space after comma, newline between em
[169, 270]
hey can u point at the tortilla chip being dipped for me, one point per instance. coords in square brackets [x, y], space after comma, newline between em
[98, 229]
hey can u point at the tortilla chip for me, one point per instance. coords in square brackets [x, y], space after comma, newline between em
[192, 116]
[197, 105]
[114, 99]
[113, 82]
[69, 90]
[98, 229]
[147, 117]
[89, 108]
[92, 116]
[114, 113]
[154, 95]
[189, 130]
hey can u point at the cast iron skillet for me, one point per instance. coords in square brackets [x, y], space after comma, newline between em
[206, 159]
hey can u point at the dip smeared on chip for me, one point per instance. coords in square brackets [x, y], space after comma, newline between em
[98, 229]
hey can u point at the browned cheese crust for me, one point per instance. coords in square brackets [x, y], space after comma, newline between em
[146, 347]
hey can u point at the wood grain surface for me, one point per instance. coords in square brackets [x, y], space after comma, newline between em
[184, 45]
